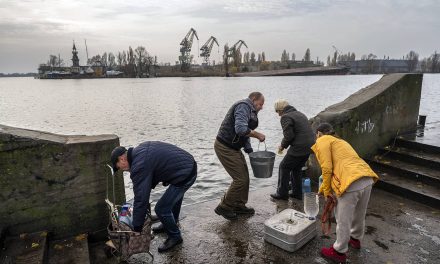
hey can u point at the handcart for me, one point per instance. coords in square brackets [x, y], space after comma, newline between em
[123, 241]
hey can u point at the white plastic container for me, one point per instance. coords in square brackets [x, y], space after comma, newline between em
[289, 230]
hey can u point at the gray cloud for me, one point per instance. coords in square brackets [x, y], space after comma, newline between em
[31, 30]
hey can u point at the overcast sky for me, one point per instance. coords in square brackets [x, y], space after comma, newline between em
[30, 30]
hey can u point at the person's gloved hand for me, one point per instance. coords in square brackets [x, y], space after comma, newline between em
[165, 184]
[248, 150]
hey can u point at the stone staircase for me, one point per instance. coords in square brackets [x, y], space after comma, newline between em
[36, 248]
[410, 169]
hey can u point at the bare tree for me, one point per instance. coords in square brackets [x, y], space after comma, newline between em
[293, 56]
[111, 60]
[246, 57]
[284, 56]
[140, 55]
[124, 58]
[424, 65]
[55, 61]
[307, 55]
[252, 59]
[226, 58]
[94, 60]
[435, 62]
[104, 60]
[412, 59]
[130, 56]
[119, 59]
[371, 63]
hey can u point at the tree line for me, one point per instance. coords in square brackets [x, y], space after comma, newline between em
[136, 62]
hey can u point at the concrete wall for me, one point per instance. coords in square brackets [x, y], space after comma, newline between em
[54, 182]
[371, 117]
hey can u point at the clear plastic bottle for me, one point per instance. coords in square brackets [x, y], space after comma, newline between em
[311, 205]
[306, 186]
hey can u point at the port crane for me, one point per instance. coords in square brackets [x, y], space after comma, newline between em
[185, 49]
[206, 49]
[234, 53]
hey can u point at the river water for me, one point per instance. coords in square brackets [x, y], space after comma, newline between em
[183, 111]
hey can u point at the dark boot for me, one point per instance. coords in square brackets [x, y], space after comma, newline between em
[276, 196]
[170, 243]
[244, 210]
[160, 228]
[228, 214]
[296, 196]
[154, 218]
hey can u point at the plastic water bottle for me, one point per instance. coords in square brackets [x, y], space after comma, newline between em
[125, 216]
[306, 186]
[311, 205]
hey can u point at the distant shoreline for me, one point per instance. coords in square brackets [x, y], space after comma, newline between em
[29, 74]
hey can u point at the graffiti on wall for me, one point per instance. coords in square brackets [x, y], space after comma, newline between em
[366, 126]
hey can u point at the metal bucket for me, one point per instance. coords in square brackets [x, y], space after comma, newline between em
[262, 163]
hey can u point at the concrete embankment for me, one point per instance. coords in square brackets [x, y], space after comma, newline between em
[370, 118]
[54, 182]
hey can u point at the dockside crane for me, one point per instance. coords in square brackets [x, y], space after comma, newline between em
[206, 49]
[185, 49]
[234, 53]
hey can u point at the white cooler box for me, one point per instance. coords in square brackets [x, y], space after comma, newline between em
[289, 230]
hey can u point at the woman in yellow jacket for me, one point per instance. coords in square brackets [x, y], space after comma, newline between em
[348, 177]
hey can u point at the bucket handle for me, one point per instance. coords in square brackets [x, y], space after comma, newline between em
[265, 147]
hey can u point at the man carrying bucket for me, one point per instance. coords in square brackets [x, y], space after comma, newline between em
[298, 137]
[234, 134]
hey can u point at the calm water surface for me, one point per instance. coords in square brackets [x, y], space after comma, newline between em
[183, 111]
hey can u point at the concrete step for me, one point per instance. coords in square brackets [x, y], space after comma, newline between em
[414, 145]
[25, 249]
[418, 157]
[69, 251]
[410, 189]
[408, 170]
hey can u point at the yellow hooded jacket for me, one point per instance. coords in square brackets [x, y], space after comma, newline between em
[340, 165]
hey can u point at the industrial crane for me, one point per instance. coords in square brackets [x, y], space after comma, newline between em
[234, 53]
[207, 47]
[237, 45]
[185, 49]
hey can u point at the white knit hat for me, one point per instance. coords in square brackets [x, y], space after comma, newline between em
[280, 104]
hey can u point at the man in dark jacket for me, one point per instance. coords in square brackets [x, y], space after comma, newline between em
[150, 163]
[239, 124]
[298, 134]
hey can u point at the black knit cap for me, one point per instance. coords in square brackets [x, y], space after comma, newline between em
[116, 153]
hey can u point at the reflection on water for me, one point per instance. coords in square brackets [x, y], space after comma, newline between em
[183, 111]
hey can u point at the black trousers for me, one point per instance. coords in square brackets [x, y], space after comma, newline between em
[290, 169]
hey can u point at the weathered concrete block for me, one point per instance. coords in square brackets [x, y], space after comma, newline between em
[55, 182]
[371, 117]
